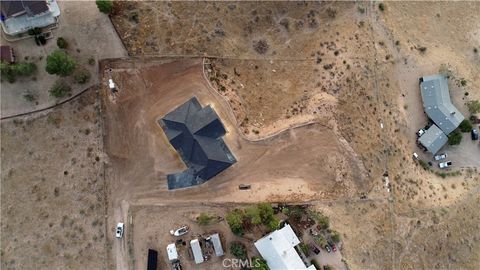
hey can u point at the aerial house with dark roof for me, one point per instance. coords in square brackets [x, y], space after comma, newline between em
[196, 133]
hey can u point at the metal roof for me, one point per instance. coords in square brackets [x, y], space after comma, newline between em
[18, 7]
[172, 252]
[195, 133]
[437, 103]
[197, 251]
[217, 244]
[433, 139]
[278, 249]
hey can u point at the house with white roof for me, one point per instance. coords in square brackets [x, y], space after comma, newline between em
[278, 249]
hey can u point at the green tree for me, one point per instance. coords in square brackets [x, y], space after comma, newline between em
[465, 126]
[60, 63]
[23, 69]
[259, 264]
[253, 213]
[455, 138]
[238, 250]
[327, 267]
[60, 89]
[273, 224]
[235, 220]
[105, 6]
[474, 106]
[304, 249]
[266, 212]
[203, 219]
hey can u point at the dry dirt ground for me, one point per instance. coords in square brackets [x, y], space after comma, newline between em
[52, 189]
[352, 73]
[334, 67]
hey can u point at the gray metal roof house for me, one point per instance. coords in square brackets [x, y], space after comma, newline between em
[195, 133]
[433, 139]
[437, 103]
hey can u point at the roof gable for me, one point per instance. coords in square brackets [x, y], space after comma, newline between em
[195, 133]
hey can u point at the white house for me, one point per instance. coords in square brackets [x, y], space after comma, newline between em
[278, 249]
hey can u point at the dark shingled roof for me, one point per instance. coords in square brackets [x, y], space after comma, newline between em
[18, 7]
[195, 133]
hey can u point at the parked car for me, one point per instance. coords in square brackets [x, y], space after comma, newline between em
[315, 249]
[119, 230]
[244, 186]
[474, 134]
[180, 231]
[440, 156]
[327, 248]
[415, 156]
[420, 132]
[445, 164]
[332, 245]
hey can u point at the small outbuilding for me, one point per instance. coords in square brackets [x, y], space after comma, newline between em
[433, 139]
[197, 251]
[172, 252]
[217, 244]
[7, 55]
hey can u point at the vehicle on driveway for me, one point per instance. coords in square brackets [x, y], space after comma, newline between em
[180, 231]
[445, 164]
[420, 132]
[244, 186]
[474, 133]
[315, 249]
[328, 249]
[440, 156]
[119, 230]
[332, 245]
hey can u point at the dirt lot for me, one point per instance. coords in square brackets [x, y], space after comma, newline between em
[52, 189]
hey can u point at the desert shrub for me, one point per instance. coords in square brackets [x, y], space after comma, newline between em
[253, 214]
[60, 63]
[273, 224]
[105, 6]
[475, 50]
[29, 97]
[336, 237]
[422, 49]
[60, 89]
[473, 106]
[238, 250]
[331, 12]
[259, 264]
[235, 221]
[204, 219]
[91, 61]
[261, 46]
[62, 43]
[463, 82]
[327, 267]
[381, 6]
[424, 165]
[82, 76]
[455, 138]
[465, 126]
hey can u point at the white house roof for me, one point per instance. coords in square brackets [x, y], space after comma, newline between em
[197, 251]
[278, 250]
[172, 252]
